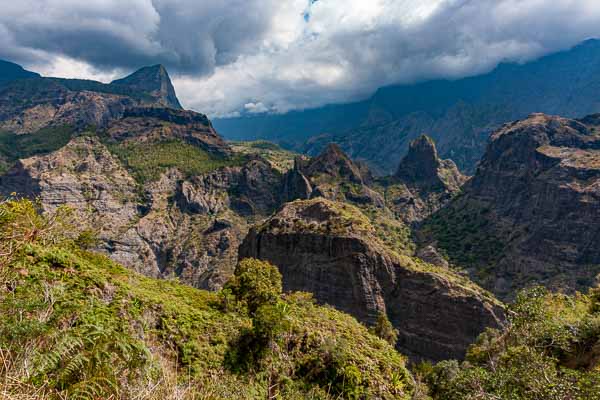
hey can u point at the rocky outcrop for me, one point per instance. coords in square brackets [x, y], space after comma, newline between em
[331, 250]
[172, 226]
[530, 213]
[423, 182]
[423, 168]
[157, 123]
[331, 175]
[154, 81]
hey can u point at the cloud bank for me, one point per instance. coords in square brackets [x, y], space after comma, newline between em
[252, 56]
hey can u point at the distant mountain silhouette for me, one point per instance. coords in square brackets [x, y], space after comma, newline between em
[458, 114]
[10, 71]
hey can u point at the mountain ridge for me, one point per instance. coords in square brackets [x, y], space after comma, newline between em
[460, 115]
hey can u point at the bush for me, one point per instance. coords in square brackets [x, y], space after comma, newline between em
[385, 330]
[255, 283]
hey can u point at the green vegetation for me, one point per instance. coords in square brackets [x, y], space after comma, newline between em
[76, 325]
[148, 160]
[549, 350]
[384, 329]
[464, 234]
[46, 140]
[280, 159]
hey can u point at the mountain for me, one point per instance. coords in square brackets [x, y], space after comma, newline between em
[10, 72]
[77, 325]
[332, 250]
[530, 214]
[460, 115]
[153, 80]
[163, 194]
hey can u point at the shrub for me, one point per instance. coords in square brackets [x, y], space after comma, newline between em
[255, 283]
[384, 329]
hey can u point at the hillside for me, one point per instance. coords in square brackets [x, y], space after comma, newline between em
[459, 115]
[77, 325]
[530, 213]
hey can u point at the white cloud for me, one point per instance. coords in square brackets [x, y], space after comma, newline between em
[253, 56]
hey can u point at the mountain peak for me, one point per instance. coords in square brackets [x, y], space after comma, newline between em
[423, 166]
[155, 81]
[422, 161]
[333, 161]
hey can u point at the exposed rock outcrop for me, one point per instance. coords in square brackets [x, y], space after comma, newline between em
[331, 250]
[188, 227]
[153, 80]
[332, 175]
[423, 182]
[157, 123]
[530, 215]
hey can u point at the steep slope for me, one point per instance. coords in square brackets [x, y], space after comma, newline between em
[459, 115]
[153, 80]
[27, 105]
[530, 213]
[331, 250]
[76, 325]
[550, 350]
[162, 207]
[10, 71]
[422, 184]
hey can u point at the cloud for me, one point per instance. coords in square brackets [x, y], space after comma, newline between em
[251, 56]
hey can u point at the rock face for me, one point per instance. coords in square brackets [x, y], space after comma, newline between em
[332, 175]
[155, 81]
[188, 227]
[331, 250]
[423, 182]
[157, 123]
[530, 215]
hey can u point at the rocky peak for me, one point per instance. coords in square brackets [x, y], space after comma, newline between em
[334, 162]
[535, 199]
[422, 166]
[155, 81]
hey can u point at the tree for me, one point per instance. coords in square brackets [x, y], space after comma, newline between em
[384, 329]
[256, 283]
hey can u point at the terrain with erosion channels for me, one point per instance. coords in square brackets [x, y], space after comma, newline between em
[143, 256]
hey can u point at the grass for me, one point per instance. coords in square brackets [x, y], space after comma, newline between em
[46, 140]
[77, 325]
[148, 160]
[280, 159]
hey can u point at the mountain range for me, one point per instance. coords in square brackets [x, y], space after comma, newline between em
[459, 114]
[186, 251]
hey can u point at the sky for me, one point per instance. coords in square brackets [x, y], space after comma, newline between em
[235, 57]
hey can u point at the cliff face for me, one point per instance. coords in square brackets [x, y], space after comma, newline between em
[423, 182]
[155, 81]
[331, 250]
[530, 213]
[188, 226]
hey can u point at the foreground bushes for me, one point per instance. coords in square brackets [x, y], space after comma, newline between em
[550, 349]
[76, 325]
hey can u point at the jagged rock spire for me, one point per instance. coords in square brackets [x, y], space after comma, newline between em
[423, 167]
